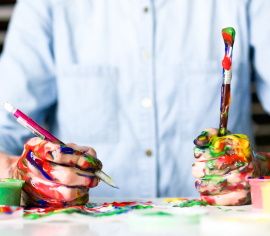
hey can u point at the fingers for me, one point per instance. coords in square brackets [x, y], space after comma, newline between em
[218, 166]
[68, 176]
[57, 175]
[221, 184]
[46, 193]
[63, 154]
[74, 177]
[234, 198]
[83, 149]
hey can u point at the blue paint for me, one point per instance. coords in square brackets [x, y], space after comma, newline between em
[42, 203]
[87, 176]
[31, 158]
[66, 150]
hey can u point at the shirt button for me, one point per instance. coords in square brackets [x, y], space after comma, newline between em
[145, 54]
[148, 152]
[145, 9]
[147, 103]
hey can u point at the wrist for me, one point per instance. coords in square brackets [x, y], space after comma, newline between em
[7, 165]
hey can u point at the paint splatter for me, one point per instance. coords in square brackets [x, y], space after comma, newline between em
[194, 202]
[10, 212]
[92, 209]
[158, 213]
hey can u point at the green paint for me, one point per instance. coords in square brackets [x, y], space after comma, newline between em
[213, 152]
[224, 209]
[109, 213]
[260, 157]
[140, 207]
[210, 164]
[214, 178]
[191, 203]
[32, 216]
[91, 160]
[204, 133]
[223, 131]
[91, 205]
[89, 210]
[10, 191]
[239, 164]
[158, 213]
[203, 139]
[230, 31]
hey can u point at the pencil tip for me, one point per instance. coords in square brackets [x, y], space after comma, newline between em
[107, 179]
[115, 186]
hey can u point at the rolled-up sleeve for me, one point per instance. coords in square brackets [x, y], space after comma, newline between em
[259, 19]
[26, 71]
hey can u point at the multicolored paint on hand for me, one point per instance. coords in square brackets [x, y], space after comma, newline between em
[55, 175]
[222, 168]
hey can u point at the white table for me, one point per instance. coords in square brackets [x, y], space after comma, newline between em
[194, 221]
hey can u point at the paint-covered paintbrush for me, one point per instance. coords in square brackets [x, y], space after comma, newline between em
[37, 130]
[228, 35]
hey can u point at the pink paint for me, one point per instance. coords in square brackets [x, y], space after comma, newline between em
[256, 189]
[256, 194]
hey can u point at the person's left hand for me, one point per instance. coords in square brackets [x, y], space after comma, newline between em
[222, 167]
[56, 175]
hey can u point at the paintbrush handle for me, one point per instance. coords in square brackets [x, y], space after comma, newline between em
[228, 35]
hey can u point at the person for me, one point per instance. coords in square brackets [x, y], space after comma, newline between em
[135, 80]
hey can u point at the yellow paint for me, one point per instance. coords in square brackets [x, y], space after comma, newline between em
[174, 199]
[238, 142]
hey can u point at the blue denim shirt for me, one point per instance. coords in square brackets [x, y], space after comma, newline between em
[136, 80]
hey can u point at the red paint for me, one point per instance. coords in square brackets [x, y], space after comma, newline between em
[120, 204]
[231, 159]
[228, 38]
[209, 200]
[226, 63]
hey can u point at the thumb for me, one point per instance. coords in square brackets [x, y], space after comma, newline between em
[203, 139]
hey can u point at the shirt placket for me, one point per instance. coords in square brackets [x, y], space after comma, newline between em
[147, 162]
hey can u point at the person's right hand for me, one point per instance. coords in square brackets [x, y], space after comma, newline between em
[56, 175]
[222, 168]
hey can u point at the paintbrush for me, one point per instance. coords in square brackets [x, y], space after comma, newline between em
[39, 131]
[228, 35]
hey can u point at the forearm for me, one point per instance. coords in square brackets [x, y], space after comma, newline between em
[7, 164]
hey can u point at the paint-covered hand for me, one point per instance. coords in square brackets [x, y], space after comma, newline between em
[56, 175]
[222, 167]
